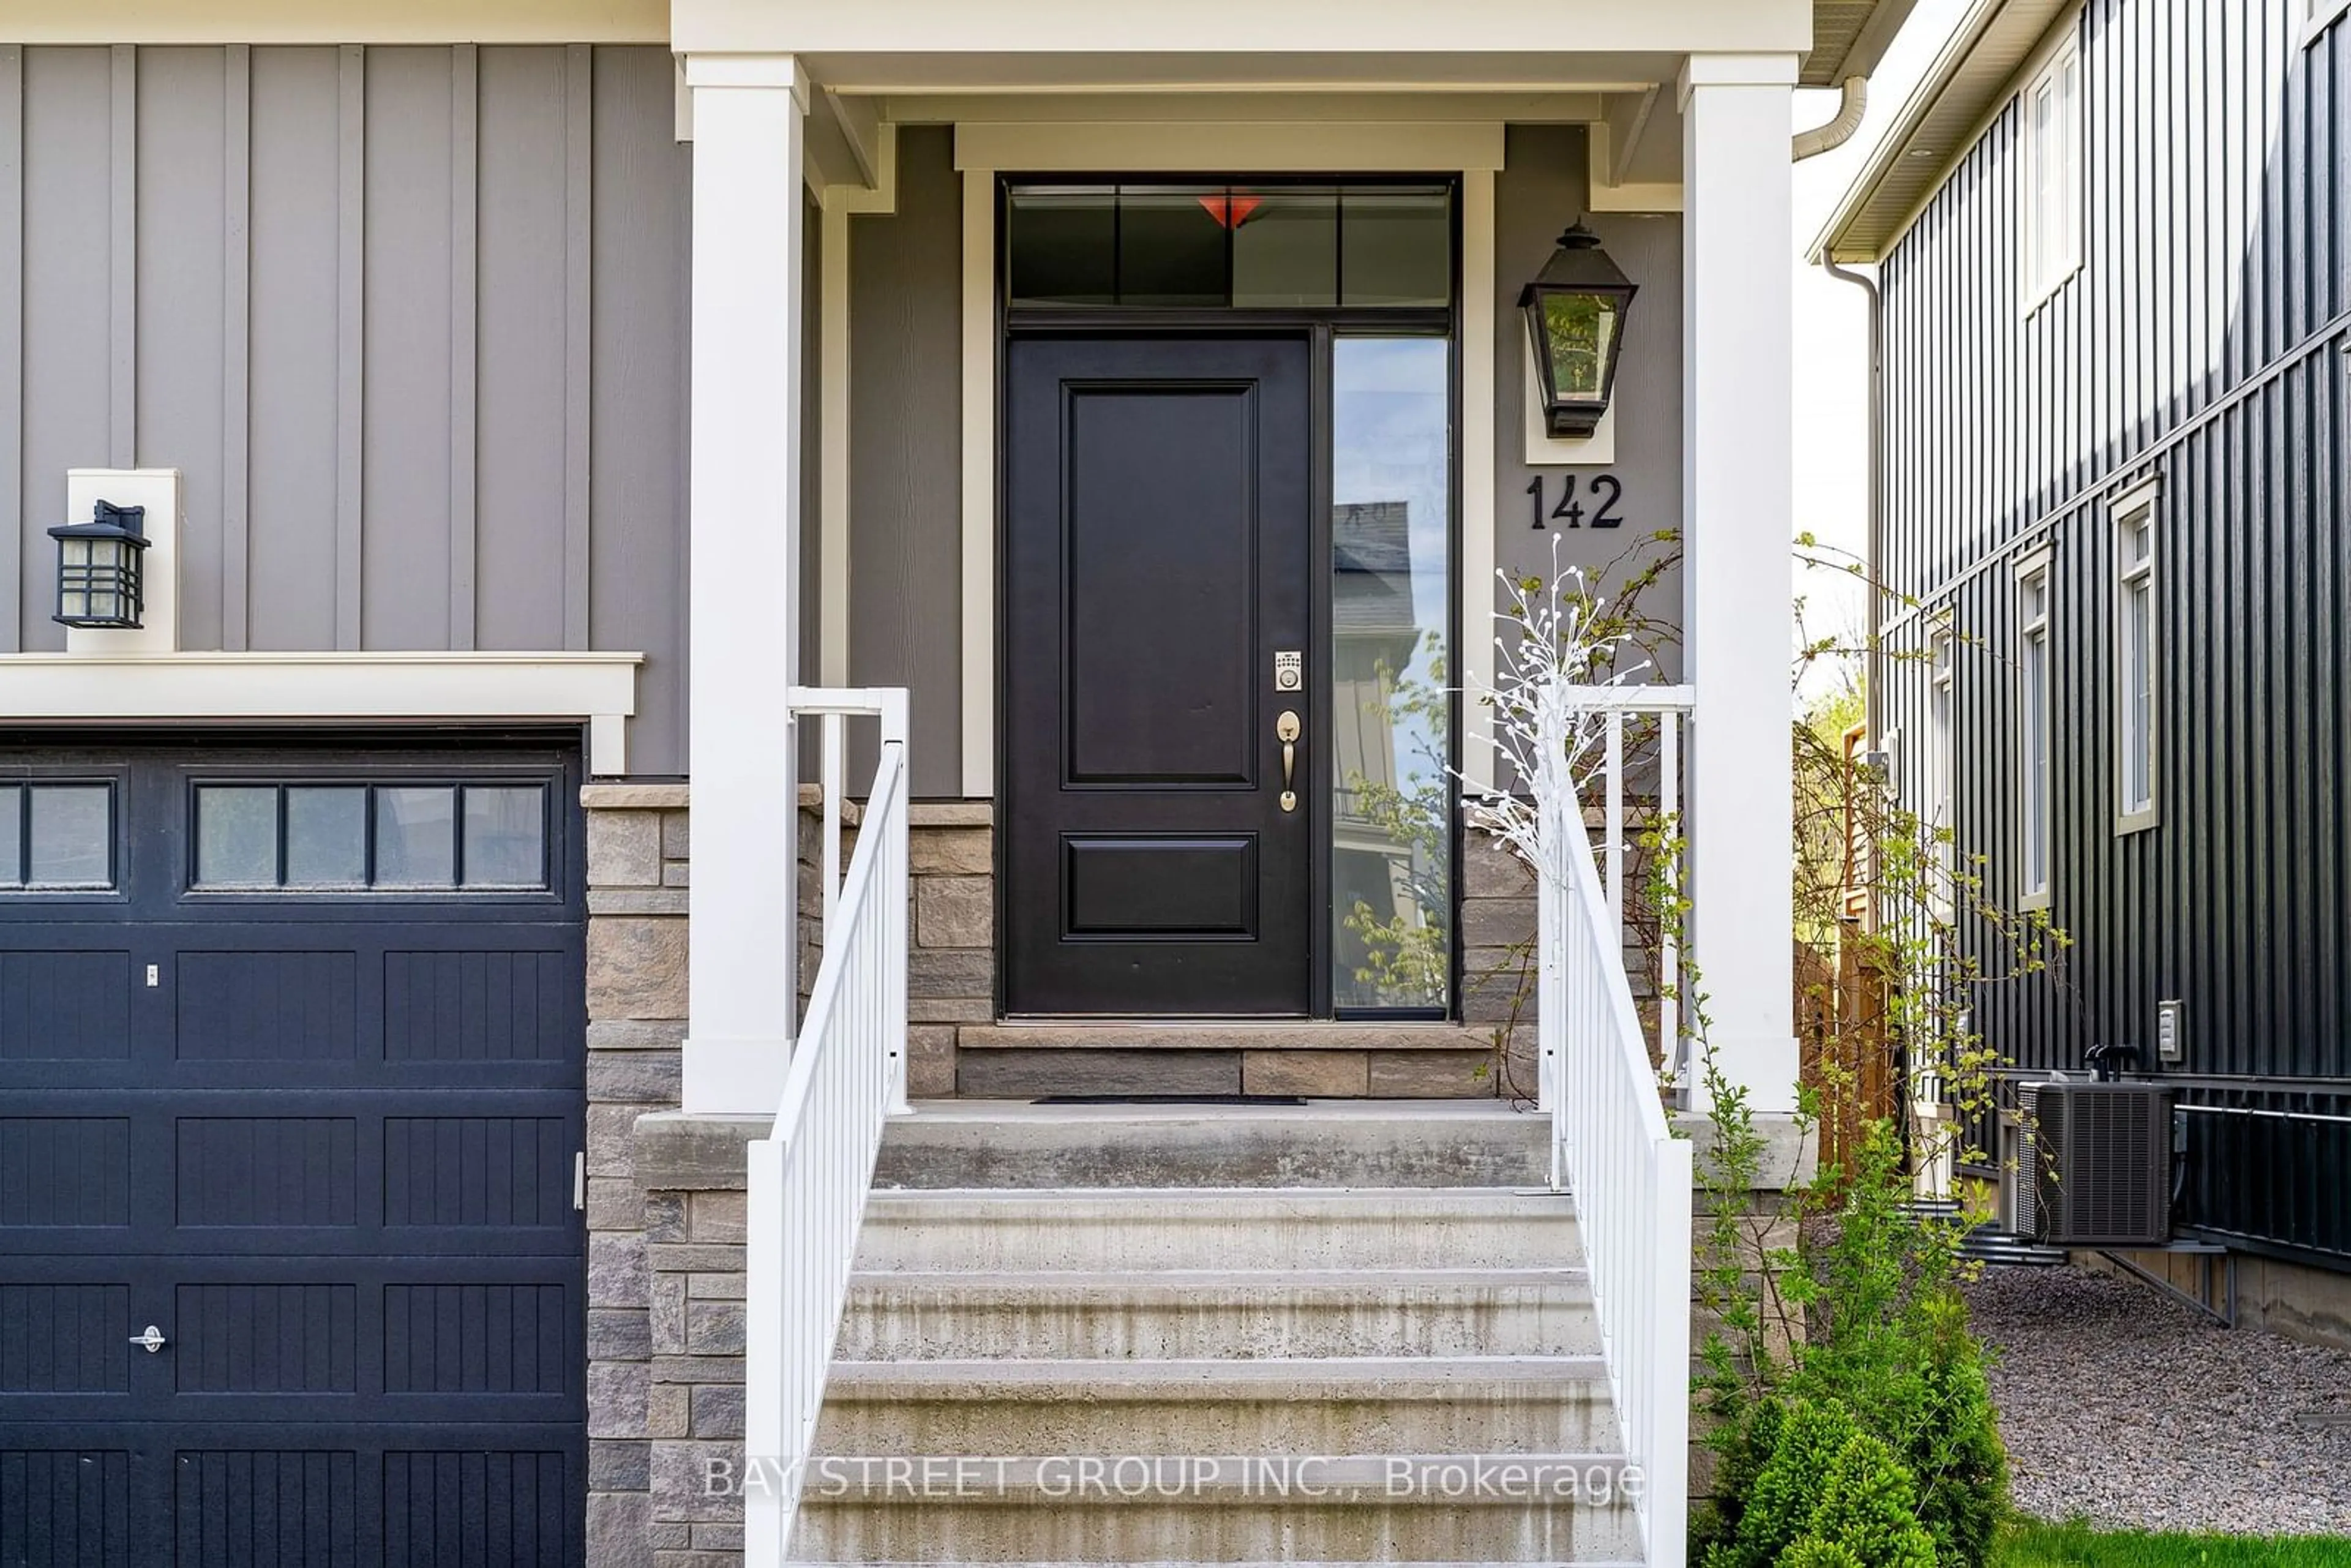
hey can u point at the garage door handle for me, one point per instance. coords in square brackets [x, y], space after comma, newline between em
[152, 1340]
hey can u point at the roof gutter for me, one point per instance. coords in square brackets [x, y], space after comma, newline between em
[1851, 107]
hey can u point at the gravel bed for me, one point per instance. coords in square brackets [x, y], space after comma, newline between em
[2123, 1407]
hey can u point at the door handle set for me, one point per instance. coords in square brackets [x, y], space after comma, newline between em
[151, 1342]
[1286, 730]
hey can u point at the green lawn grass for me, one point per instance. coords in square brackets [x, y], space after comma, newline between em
[2028, 1545]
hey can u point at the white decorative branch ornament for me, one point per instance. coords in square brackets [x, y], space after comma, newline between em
[1548, 654]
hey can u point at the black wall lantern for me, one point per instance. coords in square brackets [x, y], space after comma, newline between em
[1575, 320]
[99, 567]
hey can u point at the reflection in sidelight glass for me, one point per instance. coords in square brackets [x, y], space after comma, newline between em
[1392, 713]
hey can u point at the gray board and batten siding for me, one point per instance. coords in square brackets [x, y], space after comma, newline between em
[2203, 341]
[412, 321]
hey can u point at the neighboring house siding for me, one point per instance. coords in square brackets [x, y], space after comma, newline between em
[2200, 342]
[413, 321]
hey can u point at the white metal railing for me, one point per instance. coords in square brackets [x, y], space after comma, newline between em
[809, 1175]
[1616, 709]
[1611, 1143]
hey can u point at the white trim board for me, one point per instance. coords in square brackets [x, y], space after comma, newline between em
[1265, 147]
[599, 689]
[1473, 150]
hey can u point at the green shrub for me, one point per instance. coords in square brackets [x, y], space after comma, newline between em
[1869, 1510]
[1886, 1343]
[1828, 1495]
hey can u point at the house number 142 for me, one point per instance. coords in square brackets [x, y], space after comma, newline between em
[1600, 498]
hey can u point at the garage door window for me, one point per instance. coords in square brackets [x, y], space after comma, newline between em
[56, 836]
[364, 837]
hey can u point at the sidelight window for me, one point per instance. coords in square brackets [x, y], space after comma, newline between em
[358, 837]
[1392, 714]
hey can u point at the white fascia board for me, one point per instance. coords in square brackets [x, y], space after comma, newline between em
[597, 688]
[1505, 27]
[1142, 147]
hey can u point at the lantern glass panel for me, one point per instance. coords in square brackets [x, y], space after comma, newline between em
[1579, 330]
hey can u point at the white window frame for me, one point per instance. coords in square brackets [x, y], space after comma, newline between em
[1942, 761]
[2133, 512]
[2036, 762]
[2051, 153]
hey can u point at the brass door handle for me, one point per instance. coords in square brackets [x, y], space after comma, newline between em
[1286, 730]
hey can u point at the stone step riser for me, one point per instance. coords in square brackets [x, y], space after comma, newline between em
[904, 1232]
[1053, 1530]
[1542, 1419]
[886, 1322]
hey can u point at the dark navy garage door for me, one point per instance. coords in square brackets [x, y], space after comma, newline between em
[291, 1068]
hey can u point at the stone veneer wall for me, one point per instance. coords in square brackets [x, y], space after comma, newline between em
[637, 874]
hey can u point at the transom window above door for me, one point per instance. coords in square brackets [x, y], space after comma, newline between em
[348, 836]
[1229, 247]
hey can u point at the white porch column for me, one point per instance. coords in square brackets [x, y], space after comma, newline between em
[744, 580]
[1738, 504]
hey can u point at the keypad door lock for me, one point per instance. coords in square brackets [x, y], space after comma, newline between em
[1290, 671]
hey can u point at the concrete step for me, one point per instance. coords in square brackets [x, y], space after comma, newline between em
[949, 1144]
[1376, 1508]
[1282, 1405]
[918, 1317]
[1245, 1229]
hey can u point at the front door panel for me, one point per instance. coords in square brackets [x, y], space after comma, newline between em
[1157, 558]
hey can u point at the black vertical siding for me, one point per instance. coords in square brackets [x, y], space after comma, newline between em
[2207, 341]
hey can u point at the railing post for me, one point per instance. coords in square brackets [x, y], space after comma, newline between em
[764, 1359]
[1669, 957]
[897, 892]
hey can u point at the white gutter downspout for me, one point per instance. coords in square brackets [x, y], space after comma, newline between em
[1839, 131]
[1812, 143]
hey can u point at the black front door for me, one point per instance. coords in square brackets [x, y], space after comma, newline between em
[1158, 848]
[291, 1095]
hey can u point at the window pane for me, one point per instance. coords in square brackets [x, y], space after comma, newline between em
[12, 835]
[415, 837]
[505, 836]
[2138, 714]
[1171, 247]
[1391, 714]
[1285, 249]
[236, 836]
[1397, 247]
[1062, 244]
[73, 839]
[326, 837]
[2036, 763]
